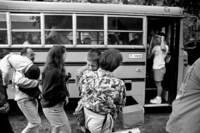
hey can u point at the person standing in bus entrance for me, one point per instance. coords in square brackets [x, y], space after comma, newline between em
[4, 105]
[102, 95]
[92, 65]
[20, 65]
[186, 107]
[159, 51]
[54, 91]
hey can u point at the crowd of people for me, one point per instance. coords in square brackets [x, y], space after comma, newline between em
[102, 94]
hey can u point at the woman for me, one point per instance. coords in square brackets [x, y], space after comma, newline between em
[54, 91]
[102, 95]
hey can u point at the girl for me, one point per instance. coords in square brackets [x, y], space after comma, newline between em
[54, 91]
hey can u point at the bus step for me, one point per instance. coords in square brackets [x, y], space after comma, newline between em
[157, 105]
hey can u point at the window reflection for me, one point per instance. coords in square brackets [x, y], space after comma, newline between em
[58, 22]
[2, 21]
[25, 22]
[3, 30]
[3, 37]
[124, 38]
[124, 23]
[90, 22]
[90, 37]
[58, 37]
[25, 38]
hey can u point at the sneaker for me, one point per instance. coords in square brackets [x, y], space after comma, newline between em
[156, 100]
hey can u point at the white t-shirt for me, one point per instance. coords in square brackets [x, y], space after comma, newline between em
[159, 56]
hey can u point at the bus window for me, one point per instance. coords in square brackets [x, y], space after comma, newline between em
[25, 38]
[135, 38]
[3, 30]
[90, 28]
[58, 29]
[123, 30]
[25, 29]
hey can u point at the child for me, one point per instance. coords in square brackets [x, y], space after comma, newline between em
[160, 51]
[92, 65]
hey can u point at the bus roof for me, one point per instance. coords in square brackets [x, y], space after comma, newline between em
[100, 8]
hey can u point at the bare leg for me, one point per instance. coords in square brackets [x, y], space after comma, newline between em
[159, 88]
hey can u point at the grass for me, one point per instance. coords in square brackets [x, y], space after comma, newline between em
[154, 121]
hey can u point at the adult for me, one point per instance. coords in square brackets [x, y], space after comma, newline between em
[29, 104]
[103, 95]
[19, 65]
[186, 107]
[159, 51]
[54, 91]
[28, 52]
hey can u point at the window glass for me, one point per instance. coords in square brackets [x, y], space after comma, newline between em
[125, 38]
[2, 21]
[90, 22]
[26, 38]
[25, 22]
[92, 37]
[58, 37]
[58, 22]
[124, 23]
[3, 30]
[3, 37]
[58, 29]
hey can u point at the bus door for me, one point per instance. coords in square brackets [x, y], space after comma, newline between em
[171, 29]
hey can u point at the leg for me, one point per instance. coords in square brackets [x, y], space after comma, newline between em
[159, 88]
[30, 110]
[58, 119]
[5, 124]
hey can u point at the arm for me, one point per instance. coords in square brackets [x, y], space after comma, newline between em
[5, 69]
[80, 73]
[20, 80]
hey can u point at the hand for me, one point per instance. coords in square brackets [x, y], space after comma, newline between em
[66, 100]
[5, 108]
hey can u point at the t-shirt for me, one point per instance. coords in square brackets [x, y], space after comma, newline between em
[159, 56]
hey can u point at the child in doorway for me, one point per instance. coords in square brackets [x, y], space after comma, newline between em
[160, 51]
[92, 65]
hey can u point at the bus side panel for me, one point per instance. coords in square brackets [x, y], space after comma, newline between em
[132, 71]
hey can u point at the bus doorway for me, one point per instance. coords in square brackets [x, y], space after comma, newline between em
[170, 27]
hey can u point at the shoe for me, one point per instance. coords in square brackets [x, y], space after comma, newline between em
[156, 100]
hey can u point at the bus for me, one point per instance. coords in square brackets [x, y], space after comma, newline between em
[82, 26]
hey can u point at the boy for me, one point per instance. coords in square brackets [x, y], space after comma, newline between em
[92, 65]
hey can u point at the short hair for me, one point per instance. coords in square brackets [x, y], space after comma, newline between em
[110, 59]
[93, 55]
[24, 50]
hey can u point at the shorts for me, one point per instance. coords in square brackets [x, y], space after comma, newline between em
[159, 74]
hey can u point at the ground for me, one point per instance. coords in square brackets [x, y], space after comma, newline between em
[154, 122]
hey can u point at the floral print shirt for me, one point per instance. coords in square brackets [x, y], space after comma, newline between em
[101, 92]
